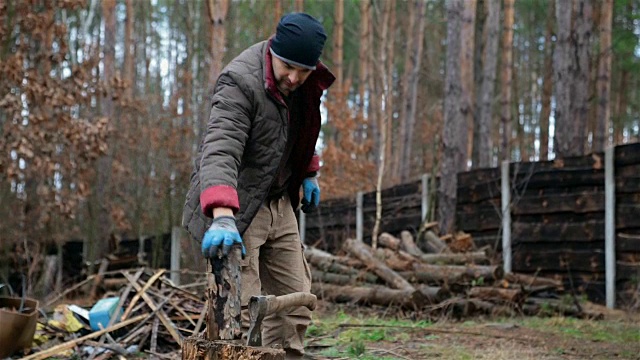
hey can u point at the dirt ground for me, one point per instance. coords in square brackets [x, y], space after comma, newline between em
[340, 332]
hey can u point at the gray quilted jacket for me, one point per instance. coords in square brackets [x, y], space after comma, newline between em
[245, 139]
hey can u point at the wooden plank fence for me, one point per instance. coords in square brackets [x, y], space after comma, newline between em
[557, 211]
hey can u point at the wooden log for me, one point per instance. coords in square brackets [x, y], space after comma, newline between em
[433, 243]
[316, 256]
[491, 293]
[362, 251]
[374, 295]
[395, 260]
[529, 280]
[341, 279]
[389, 241]
[473, 257]
[452, 273]
[407, 244]
[199, 349]
[330, 263]
[223, 320]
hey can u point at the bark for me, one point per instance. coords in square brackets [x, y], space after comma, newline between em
[375, 295]
[363, 54]
[484, 144]
[467, 35]
[277, 11]
[338, 35]
[564, 139]
[450, 274]
[342, 278]
[195, 348]
[547, 84]
[580, 93]
[505, 80]
[389, 241]
[395, 260]
[496, 294]
[316, 257]
[603, 113]
[475, 257]
[528, 280]
[223, 315]
[299, 5]
[129, 50]
[454, 150]
[433, 244]
[361, 251]
[407, 244]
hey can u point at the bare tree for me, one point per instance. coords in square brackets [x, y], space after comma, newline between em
[505, 80]
[564, 142]
[603, 112]
[489, 64]
[547, 84]
[453, 149]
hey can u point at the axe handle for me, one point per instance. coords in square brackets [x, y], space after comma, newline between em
[279, 303]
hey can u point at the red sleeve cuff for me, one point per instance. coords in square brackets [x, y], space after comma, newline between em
[315, 164]
[219, 196]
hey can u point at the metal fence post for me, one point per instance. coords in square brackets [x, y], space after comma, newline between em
[610, 227]
[425, 196]
[359, 216]
[506, 217]
[175, 255]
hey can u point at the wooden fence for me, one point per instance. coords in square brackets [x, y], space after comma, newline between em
[557, 212]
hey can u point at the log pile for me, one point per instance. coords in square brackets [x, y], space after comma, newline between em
[399, 273]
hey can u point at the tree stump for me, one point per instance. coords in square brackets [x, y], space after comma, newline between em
[201, 349]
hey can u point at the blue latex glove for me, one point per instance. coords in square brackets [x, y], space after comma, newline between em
[223, 231]
[311, 194]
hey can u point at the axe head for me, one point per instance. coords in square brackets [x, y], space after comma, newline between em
[258, 306]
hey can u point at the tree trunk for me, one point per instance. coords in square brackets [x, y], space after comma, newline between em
[299, 5]
[363, 55]
[467, 38]
[547, 84]
[580, 92]
[129, 51]
[603, 112]
[565, 137]
[453, 149]
[492, 28]
[338, 31]
[505, 80]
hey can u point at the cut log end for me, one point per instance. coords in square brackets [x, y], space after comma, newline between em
[201, 349]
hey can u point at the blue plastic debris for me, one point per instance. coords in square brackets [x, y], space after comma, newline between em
[101, 313]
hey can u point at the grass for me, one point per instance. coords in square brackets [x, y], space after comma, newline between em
[401, 339]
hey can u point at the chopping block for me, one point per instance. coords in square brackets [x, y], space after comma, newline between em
[223, 318]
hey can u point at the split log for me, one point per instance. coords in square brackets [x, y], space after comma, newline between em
[407, 244]
[341, 279]
[200, 349]
[316, 256]
[362, 251]
[491, 293]
[424, 273]
[223, 295]
[374, 295]
[434, 244]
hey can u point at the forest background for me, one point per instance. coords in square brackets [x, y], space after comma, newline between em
[103, 103]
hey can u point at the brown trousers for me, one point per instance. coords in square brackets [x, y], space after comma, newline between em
[275, 265]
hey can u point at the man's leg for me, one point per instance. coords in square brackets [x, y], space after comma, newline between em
[284, 270]
[254, 237]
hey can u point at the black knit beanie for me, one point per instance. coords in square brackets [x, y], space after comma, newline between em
[299, 40]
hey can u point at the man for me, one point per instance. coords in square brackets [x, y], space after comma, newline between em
[257, 153]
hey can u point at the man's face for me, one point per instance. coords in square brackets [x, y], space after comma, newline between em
[288, 77]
